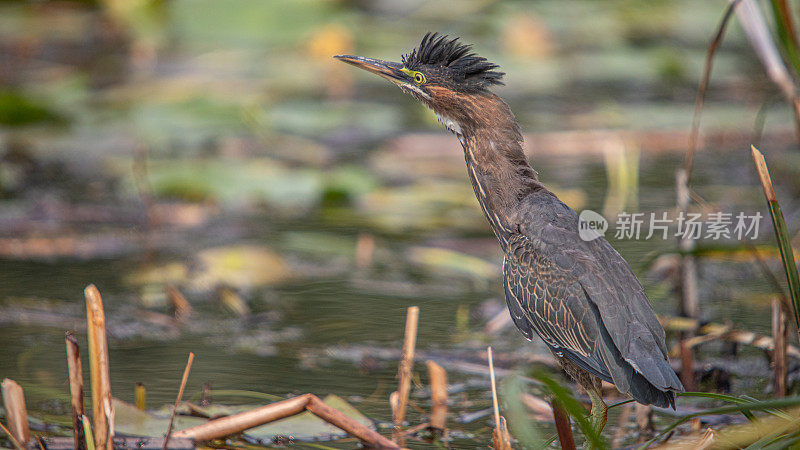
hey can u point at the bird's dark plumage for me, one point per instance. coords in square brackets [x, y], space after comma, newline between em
[584, 301]
[580, 297]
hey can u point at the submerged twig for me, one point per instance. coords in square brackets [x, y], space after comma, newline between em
[184, 379]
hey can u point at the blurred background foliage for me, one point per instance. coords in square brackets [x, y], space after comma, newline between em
[302, 205]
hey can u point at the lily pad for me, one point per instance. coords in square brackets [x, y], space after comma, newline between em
[131, 421]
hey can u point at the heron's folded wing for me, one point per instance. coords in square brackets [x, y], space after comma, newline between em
[544, 299]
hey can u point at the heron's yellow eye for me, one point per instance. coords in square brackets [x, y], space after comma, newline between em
[418, 77]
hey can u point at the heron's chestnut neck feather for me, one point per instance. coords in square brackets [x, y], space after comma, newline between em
[496, 164]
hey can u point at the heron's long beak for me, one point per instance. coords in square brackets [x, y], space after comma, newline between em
[387, 69]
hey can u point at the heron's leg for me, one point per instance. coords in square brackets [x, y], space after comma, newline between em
[599, 413]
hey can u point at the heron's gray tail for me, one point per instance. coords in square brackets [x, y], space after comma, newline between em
[644, 392]
[649, 379]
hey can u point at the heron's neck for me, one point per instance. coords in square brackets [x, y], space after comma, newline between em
[496, 164]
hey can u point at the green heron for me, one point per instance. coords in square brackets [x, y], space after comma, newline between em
[579, 296]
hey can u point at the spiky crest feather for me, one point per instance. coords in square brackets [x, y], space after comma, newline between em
[454, 61]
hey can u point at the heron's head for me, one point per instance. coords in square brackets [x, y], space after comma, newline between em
[442, 73]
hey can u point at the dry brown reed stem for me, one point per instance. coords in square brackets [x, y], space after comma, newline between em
[406, 364]
[239, 422]
[495, 406]
[688, 276]
[701, 88]
[184, 379]
[14, 440]
[103, 413]
[779, 350]
[16, 412]
[739, 337]
[562, 425]
[438, 378]
[348, 424]
[75, 388]
[501, 439]
[394, 402]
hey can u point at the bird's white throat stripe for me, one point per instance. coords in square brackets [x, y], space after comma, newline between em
[413, 90]
[451, 124]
